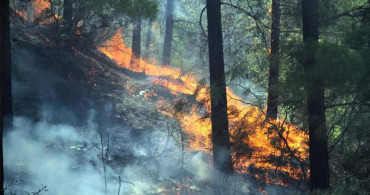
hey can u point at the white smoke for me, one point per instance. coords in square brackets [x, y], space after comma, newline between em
[41, 154]
[68, 161]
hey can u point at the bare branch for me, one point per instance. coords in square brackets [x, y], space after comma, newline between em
[200, 21]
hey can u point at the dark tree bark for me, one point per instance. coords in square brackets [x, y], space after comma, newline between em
[166, 55]
[67, 16]
[319, 165]
[6, 109]
[148, 39]
[222, 160]
[272, 99]
[136, 40]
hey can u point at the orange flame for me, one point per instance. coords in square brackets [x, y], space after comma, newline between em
[22, 14]
[243, 119]
[116, 50]
[39, 6]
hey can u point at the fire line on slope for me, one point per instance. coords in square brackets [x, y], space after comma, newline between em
[249, 129]
[247, 123]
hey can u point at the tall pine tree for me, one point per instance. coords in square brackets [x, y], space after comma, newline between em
[318, 140]
[272, 99]
[6, 110]
[167, 46]
[220, 133]
[136, 40]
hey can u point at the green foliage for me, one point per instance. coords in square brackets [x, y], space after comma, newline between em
[348, 185]
[136, 9]
[146, 9]
[338, 65]
[188, 42]
[358, 37]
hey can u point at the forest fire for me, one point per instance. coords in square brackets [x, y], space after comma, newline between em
[256, 141]
[107, 118]
[39, 6]
[116, 49]
[249, 129]
[22, 14]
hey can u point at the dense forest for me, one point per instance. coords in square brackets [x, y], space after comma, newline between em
[185, 96]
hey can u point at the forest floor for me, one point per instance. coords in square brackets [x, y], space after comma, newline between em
[121, 134]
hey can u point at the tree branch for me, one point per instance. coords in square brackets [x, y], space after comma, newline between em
[347, 104]
[258, 21]
[346, 13]
[200, 21]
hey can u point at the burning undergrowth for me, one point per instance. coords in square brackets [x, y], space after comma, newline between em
[101, 131]
[267, 149]
[85, 127]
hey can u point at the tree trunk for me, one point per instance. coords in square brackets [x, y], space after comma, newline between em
[148, 39]
[6, 63]
[220, 134]
[166, 55]
[67, 16]
[136, 40]
[272, 100]
[6, 109]
[319, 165]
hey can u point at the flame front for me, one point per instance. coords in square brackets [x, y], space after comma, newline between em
[39, 6]
[244, 119]
[247, 123]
